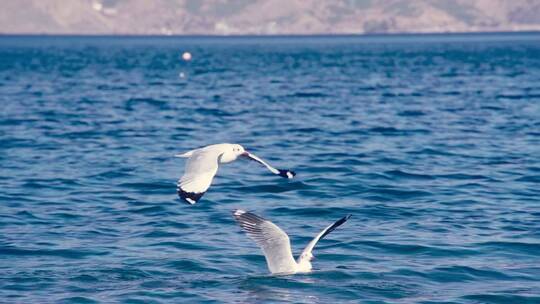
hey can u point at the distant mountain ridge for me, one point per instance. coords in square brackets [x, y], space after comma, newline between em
[263, 17]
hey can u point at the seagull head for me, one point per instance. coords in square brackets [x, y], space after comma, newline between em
[238, 149]
[230, 152]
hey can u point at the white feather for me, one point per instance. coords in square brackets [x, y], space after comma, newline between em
[201, 168]
[273, 241]
[276, 245]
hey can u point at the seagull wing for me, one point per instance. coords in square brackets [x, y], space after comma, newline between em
[322, 234]
[201, 168]
[273, 241]
[280, 172]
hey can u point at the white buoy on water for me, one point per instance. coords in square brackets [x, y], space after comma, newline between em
[186, 56]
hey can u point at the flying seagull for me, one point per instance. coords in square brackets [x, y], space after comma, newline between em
[275, 243]
[203, 164]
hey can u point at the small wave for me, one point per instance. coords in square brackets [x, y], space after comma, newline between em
[516, 247]
[462, 176]
[153, 210]
[517, 96]
[273, 188]
[111, 174]
[63, 253]
[391, 131]
[191, 266]
[85, 278]
[310, 212]
[398, 193]
[130, 103]
[411, 113]
[503, 298]
[160, 234]
[183, 245]
[309, 95]
[78, 299]
[415, 249]
[529, 179]
[406, 175]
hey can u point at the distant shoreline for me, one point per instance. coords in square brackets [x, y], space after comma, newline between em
[270, 36]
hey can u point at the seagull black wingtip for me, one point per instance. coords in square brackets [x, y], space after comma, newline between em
[189, 197]
[342, 220]
[287, 173]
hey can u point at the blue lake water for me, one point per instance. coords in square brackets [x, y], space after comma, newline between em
[432, 143]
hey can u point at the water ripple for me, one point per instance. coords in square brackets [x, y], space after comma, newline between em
[430, 143]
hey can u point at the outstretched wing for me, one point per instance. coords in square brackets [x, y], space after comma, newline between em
[273, 241]
[322, 234]
[280, 172]
[200, 170]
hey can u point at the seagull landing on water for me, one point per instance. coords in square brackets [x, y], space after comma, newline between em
[276, 245]
[203, 164]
